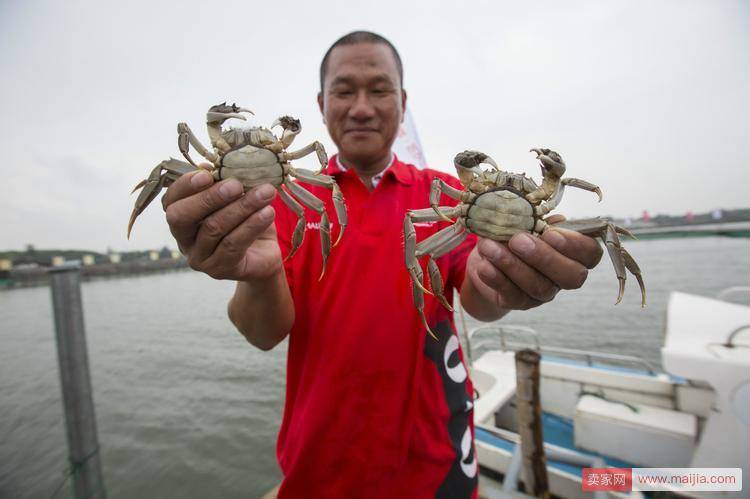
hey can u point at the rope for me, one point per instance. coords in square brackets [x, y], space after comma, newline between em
[75, 467]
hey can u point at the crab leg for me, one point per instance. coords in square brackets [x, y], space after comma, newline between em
[155, 182]
[327, 181]
[411, 249]
[410, 257]
[436, 241]
[620, 257]
[410, 237]
[550, 204]
[418, 296]
[582, 184]
[315, 147]
[439, 186]
[436, 281]
[299, 230]
[315, 204]
[186, 138]
[636, 271]
[612, 242]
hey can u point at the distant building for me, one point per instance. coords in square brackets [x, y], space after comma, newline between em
[6, 264]
[88, 259]
[176, 255]
[153, 255]
[115, 257]
[58, 261]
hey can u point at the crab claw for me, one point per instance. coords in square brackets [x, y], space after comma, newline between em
[472, 159]
[551, 161]
[292, 127]
[287, 123]
[221, 112]
[491, 162]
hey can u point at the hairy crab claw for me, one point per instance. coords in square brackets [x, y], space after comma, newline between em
[288, 123]
[467, 166]
[551, 162]
[221, 112]
[291, 126]
[470, 160]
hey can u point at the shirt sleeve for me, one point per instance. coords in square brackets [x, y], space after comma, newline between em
[457, 258]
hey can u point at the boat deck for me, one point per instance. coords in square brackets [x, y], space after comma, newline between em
[557, 431]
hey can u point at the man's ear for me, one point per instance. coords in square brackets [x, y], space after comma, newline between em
[320, 105]
[403, 104]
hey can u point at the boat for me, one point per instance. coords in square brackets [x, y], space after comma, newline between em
[605, 410]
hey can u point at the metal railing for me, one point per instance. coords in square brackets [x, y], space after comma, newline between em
[587, 355]
[734, 333]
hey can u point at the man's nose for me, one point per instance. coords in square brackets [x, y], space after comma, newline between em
[362, 108]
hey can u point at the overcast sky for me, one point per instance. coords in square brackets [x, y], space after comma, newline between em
[647, 99]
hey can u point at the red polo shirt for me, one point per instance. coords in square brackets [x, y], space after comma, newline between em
[375, 407]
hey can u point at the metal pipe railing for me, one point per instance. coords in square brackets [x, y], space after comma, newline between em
[587, 355]
[734, 333]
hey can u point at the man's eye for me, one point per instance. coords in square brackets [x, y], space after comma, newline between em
[342, 92]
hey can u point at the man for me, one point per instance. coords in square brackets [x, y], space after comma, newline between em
[374, 406]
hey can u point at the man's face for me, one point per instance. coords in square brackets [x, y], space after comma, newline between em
[362, 101]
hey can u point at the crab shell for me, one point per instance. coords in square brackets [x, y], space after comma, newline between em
[252, 166]
[500, 213]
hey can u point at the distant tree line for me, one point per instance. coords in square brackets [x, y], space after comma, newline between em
[43, 257]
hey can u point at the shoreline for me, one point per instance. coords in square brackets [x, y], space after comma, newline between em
[40, 276]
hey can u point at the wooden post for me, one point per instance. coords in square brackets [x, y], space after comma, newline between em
[529, 413]
[83, 446]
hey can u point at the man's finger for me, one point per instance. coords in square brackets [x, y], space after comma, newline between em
[565, 272]
[187, 185]
[555, 219]
[185, 215]
[583, 249]
[234, 245]
[530, 281]
[495, 286]
[217, 226]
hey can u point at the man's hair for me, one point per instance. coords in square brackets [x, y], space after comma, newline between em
[354, 38]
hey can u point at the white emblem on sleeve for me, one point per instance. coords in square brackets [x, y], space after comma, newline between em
[458, 372]
[470, 468]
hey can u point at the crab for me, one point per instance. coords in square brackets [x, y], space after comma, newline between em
[253, 156]
[497, 205]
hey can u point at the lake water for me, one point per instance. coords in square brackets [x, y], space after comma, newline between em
[186, 408]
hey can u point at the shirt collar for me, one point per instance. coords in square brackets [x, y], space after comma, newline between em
[396, 168]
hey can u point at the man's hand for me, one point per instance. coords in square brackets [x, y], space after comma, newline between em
[221, 231]
[526, 272]
[231, 235]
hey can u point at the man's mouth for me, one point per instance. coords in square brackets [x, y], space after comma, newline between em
[360, 130]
